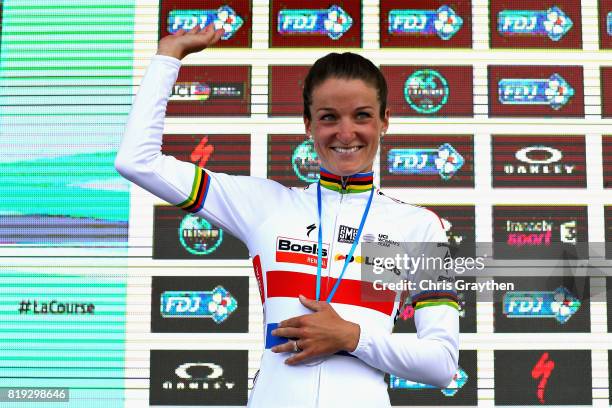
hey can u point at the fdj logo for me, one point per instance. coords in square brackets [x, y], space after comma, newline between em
[216, 304]
[426, 91]
[443, 22]
[305, 162]
[444, 161]
[225, 17]
[332, 22]
[198, 237]
[458, 381]
[553, 23]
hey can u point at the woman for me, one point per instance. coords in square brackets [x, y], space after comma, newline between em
[325, 346]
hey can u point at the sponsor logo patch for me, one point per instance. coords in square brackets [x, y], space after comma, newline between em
[347, 234]
[300, 252]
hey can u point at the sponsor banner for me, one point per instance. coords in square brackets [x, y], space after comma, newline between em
[220, 153]
[539, 161]
[211, 90]
[540, 232]
[285, 85]
[459, 224]
[297, 251]
[605, 24]
[606, 141]
[178, 234]
[551, 304]
[316, 23]
[462, 390]
[426, 24]
[606, 96]
[199, 377]
[234, 16]
[404, 320]
[543, 377]
[608, 226]
[544, 24]
[609, 302]
[200, 304]
[427, 160]
[536, 91]
[292, 160]
[430, 91]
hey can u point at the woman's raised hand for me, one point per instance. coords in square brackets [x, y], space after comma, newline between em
[183, 43]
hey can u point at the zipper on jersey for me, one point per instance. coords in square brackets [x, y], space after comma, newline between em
[333, 241]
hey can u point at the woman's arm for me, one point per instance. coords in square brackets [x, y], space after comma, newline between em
[139, 158]
[220, 198]
[432, 357]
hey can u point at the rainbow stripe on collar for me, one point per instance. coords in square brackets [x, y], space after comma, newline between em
[357, 183]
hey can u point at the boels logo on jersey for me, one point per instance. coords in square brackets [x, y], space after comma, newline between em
[292, 250]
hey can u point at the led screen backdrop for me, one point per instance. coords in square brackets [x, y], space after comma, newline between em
[500, 123]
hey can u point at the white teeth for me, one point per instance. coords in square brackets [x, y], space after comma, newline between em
[346, 150]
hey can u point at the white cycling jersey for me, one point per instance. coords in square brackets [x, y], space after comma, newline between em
[278, 225]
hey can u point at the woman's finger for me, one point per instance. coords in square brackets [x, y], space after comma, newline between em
[287, 332]
[287, 347]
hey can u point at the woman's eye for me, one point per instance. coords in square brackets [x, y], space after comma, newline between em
[363, 115]
[327, 117]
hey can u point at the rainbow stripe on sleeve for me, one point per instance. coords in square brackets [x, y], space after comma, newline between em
[195, 201]
[435, 298]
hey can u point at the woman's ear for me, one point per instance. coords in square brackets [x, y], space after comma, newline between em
[307, 127]
[385, 121]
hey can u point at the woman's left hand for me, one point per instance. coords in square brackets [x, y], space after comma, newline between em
[323, 332]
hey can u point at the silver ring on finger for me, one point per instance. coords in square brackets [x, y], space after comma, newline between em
[296, 347]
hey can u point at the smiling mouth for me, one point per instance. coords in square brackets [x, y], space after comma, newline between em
[346, 149]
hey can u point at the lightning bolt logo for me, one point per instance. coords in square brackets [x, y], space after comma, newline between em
[202, 152]
[542, 370]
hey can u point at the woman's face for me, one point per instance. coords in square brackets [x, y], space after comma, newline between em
[346, 125]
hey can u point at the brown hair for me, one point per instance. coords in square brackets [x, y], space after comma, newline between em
[345, 66]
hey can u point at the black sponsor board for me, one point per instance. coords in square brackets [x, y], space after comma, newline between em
[551, 304]
[461, 391]
[177, 307]
[606, 142]
[292, 160]
[198, 377]
[427, 161]
[540, 232]
[608, 236]
[458, 222]
[539, 161]
[219, 153]
[543, 377]
[178, 234]
[609, 303]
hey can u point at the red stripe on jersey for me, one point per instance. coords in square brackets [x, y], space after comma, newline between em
[259, 277]
[296, 258]
[350, 291]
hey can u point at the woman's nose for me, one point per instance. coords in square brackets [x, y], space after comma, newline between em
[346, 132]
